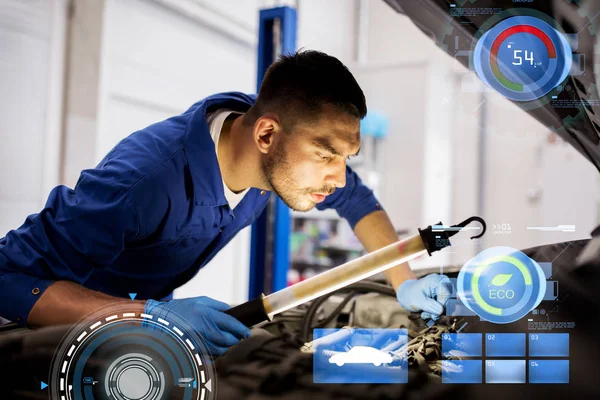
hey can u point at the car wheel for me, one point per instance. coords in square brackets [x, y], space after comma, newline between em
[339, 364]
[377, 364]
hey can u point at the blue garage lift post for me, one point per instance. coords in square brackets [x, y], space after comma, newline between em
[270, 248]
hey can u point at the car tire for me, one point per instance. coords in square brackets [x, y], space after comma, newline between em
[339, 364]
[377, 364]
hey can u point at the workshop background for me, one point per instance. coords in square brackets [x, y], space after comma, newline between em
[77, 76]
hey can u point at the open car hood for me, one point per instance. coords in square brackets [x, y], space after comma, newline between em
[456, 26]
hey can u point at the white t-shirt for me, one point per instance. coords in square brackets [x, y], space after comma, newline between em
[215, 122]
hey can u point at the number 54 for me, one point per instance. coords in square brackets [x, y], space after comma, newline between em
[516, 56]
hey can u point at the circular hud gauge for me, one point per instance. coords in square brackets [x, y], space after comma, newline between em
[523, 58]
[118, 355]
[501, 285]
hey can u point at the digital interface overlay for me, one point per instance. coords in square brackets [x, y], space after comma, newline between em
[523, 58]
[360, 356]
[506, 305]
[501, 285]
[505, 361]
[524, 54]
[120, 355]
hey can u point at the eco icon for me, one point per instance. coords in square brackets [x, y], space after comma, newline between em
[501, 285]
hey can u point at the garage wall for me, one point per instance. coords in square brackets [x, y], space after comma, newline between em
[512, 171]
[31, 69]
[156, 62]
[82, 86]
[396, 81]
[328, 26]
[569, 192]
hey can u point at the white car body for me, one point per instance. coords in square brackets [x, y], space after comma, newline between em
[361, 355]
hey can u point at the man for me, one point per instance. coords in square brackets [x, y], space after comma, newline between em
[167, 198]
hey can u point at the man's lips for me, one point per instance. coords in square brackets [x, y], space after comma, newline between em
[318, 197]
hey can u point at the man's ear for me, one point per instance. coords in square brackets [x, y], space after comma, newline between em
[267, 131]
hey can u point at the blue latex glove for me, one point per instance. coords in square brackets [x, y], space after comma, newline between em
[218, 330]
[428, 294]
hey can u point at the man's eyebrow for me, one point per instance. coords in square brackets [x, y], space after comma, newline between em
[325, 145]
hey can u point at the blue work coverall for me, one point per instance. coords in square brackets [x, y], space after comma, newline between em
[146, 219]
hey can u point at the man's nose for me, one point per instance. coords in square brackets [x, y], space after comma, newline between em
[337, 176]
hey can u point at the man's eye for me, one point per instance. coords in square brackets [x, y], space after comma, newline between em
[322, 157]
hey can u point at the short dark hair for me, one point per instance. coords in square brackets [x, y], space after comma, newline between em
[297, 86]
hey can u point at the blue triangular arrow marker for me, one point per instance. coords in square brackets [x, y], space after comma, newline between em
[132, 295]
[44, 386]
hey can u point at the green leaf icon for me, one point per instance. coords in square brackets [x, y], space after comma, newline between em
[501, 279]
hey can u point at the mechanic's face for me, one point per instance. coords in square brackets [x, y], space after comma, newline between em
[309, 163]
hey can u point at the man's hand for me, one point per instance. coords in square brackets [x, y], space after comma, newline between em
[218, 330]
[428, 294]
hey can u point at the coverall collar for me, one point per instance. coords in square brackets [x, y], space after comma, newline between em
[200, 148]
